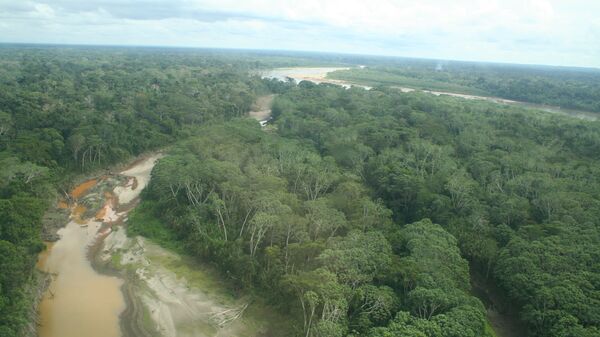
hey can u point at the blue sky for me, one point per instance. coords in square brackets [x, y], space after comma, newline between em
[518, 31]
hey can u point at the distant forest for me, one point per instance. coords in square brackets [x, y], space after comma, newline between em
[569, 88]
[356, 213]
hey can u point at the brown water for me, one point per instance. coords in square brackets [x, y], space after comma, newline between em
[312, 74]
[80, 302]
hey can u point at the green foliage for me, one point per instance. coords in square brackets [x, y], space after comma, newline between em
[275, 215]
[143, 221]
[517, 189]
[86, 108]
[65, 111]
[564, 87]
[326, 217]
[23, 188]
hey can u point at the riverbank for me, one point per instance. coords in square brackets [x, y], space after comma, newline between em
[76, 288]
[173, 295]
[324, 75]
[129, 286]
[261, 109]
[57, 216]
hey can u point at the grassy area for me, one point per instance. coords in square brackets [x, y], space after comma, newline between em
[197, 275]
[115, 260]
[148, 323]
[142, 221]
[489, 331]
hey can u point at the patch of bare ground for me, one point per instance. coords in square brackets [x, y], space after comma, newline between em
[261, 109]
[164, 294]
[170, 295]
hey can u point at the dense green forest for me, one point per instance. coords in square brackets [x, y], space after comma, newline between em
[571, 88]
[518, 189]
[362, 209]
[65, 111]
[276, 214]
[358, 213]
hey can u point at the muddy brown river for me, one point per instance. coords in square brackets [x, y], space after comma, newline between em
[80, 302]
[157, 293]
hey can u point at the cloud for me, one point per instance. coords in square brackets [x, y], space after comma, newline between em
[526, 31]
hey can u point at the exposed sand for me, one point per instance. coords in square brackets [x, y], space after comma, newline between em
[175, 305]
[139, 177]
[159, 280]
[302, 73]
[314, 74]
[167, 295]
[261, 109]
[80, 301]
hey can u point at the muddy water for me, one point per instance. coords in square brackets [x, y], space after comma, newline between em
[80, 302]
[316, 75]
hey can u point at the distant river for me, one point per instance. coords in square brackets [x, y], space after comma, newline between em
[319, 75]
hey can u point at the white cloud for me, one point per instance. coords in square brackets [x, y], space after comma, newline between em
[530, 31]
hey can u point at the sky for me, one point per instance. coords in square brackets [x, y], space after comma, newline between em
[555, 32]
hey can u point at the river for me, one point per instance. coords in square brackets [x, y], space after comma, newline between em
[150, 290]
[80, 301]
[319, 75]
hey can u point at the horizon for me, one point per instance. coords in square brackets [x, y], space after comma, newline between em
[530, 32]
[291, 52]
